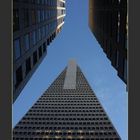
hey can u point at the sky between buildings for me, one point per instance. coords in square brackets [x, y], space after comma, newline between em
[76, 41]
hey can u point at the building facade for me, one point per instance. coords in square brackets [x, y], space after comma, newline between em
[35, 24]
[68, 109]
[108, 20]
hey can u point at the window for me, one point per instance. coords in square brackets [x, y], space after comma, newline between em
[126, 36]
[43, 31]
[34, 37]
[42, 15]
[125, 70]
[34, 57]
[33, 16]
[16, 0]
[28, 65]
[46, 30]
[43, 2]
[46, 1]
[15, 20]
[19, 77]
[25, 1]
[39, 34]
[38, 16]
[117, 59]
[26, 42]
[44, 47]
[26, 17]
[46, 14]
[17, 48]
[118, 33]
[40, 51]
[126, 41]
[33, 1]
[39, 1]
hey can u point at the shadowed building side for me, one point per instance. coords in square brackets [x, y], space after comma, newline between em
[35, 24]
[108, 20]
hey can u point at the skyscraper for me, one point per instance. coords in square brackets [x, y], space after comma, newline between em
[108, 20]
[68, 109]
[35, 24]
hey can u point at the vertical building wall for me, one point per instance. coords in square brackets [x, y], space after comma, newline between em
[108, 22]
[35, 24]
[64, 112]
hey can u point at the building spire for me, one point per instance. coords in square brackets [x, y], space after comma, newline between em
[70, 79]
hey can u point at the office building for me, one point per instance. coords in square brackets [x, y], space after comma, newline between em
[108, 20]
[35, 24]
[68, 109]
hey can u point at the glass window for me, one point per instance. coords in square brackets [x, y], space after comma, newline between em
[46, 1]
[40, 51]
[117, 59]
[43, 2]
[26, 17]
[38, 1]
[125, 70]
[43, 15]
[126, 36]
[39, 34]
[118, 33]
[17, 49]
[26, 42]
[46, 30]
[38, 15]
[126, 42]
[34, 57]
[44, 47]
[34, 37]
[43, 31]
[15, 19]
[28, 65]
[19, 76]
[46, 14]
[25, 1]
[33, 16]
[33, 1]
[16, 0]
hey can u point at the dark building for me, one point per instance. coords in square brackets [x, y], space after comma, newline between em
[68, 109]
[108, 20]
[35, 24]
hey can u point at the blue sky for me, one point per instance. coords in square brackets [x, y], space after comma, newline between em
[76, 41]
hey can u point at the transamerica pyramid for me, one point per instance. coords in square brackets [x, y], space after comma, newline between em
[68, 109]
